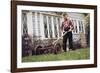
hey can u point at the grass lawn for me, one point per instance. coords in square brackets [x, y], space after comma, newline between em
[78, 54]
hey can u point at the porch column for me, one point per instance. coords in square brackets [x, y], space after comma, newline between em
[52, 26]
[29, 24]
[42, 27]
[36, 25]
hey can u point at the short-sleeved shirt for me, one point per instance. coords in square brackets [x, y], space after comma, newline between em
[66, 25]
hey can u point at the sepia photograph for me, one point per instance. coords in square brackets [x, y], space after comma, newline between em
[52, 36]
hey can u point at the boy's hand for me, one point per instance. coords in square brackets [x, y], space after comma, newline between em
[70, 29]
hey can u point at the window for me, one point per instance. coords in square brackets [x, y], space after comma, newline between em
[80, 26]
[55, 26]
[50, 26]
[33, 20]
[73, 25]
[45, 26]
[59, 26]
[38, 23]
[76, 30]
[24, 22]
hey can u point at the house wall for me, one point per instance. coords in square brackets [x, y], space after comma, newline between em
[35, 24]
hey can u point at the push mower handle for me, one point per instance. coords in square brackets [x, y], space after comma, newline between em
[60, 37]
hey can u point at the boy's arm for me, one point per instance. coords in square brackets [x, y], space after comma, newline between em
[62, 26]
[71, 26]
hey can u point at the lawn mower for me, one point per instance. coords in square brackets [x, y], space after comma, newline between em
[28, 49]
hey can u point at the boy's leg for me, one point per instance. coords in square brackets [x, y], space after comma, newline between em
[64, 42]
[70, 40]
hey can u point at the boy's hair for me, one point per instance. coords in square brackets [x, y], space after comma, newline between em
[65, 14]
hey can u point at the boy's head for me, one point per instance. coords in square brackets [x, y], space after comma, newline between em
[65, 16]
